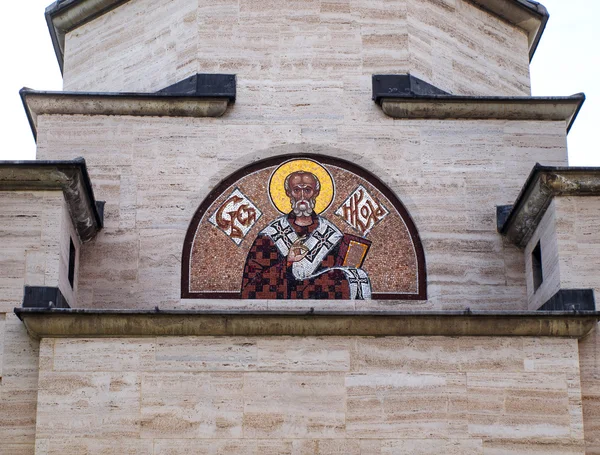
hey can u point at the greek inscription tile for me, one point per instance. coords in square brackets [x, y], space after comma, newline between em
[236, 216]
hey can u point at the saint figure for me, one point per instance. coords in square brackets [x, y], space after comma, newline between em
[297, 256]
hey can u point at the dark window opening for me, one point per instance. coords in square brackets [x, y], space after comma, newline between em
[71, 263]
[536, 263]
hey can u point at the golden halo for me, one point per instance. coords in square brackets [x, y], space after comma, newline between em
[281, 201]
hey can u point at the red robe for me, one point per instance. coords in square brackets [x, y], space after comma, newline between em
[268, 275]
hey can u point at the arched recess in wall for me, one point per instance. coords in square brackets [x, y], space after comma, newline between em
[244, 241]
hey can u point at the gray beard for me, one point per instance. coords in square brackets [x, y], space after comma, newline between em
[307, 206]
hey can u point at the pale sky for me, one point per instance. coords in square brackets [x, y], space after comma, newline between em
[566, 62]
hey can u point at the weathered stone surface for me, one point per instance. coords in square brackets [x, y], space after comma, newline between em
[578, 245]
[454, 45]
[67, 323]
[30, 228]
[203, 395]
[18, 387]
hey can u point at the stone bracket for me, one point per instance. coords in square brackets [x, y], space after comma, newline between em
[543, 184]
[73, 323]
[502, 212]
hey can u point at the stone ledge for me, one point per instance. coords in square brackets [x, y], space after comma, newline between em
[74, 323]
[137, 104]
[64, 16]
[69, 176]
[563, 108]
[543, 184]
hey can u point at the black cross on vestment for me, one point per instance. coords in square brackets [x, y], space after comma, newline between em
[359, 281]
[322, 241]
[282, 234]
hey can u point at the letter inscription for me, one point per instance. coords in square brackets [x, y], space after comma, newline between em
[236, 216]
[362, 211]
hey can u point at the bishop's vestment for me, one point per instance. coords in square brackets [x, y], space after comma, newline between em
[269, 275]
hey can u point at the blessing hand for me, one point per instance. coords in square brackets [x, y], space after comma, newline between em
[298, 251]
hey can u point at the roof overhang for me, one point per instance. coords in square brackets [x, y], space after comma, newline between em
[543, 184]
[74, 323]
[528, 15]
[70, 177]
[64, 16]
[38, 103]
[560, 108]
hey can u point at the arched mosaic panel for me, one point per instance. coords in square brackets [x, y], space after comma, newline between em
[302, 227]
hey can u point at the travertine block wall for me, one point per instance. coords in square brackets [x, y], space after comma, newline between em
[68, 233]
[577, 227]
[18, 387]
[154, 173]
[34, 226]
[546, 235]
[301, 396]
[578, 233]
[146, 45]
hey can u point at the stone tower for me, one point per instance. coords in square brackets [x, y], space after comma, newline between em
[298, 227]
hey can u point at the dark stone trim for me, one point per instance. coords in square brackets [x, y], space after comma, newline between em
[571, 300]
[502, 212]
[69, 176]
[100, 209]
[70, 323]
[205, 85]
[542, 185]
[400, 86]
[274, 161]
[44, 297]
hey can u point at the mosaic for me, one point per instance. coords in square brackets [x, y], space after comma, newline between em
[306, 227]
[236, 216]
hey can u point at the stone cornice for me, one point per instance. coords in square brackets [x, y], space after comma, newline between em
[563, 108]
[64, 16]
[542, 185]
[137, 104]
[71, 177]
[73, 323]
[528, 15]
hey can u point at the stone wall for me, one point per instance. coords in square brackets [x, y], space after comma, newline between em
[449, 43]
[579, 246]
[30, 228]
[546, 235]
[309, 396]
[578, 241]
[34, 226]
[155, 172]
[68, 234]
[18, 387]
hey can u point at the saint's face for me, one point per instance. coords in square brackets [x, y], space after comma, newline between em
[302, 187]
